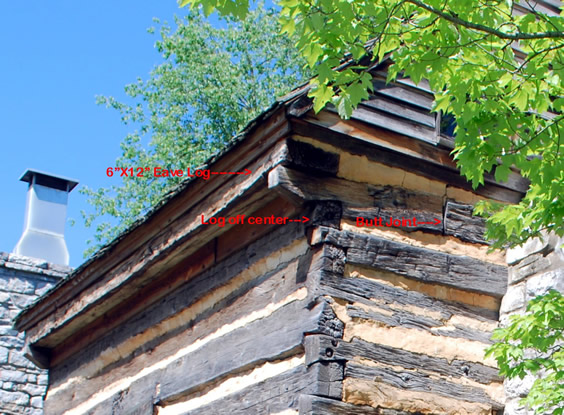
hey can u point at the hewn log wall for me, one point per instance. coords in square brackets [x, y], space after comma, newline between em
[235, 328]
[418, 304]
[328, 317]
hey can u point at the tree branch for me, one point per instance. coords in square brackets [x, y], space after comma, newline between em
[487, 29]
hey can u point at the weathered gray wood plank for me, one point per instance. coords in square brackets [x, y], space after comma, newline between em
[396, 202]
[420, 263]
[401, 318]
[325, 348]
[315, 405]
[363, 290]
[389, 106]
[460, 222]
[417, 381]
[403, 93]
[402, 126]
[302, 187]
[270, 396]
[305, 156]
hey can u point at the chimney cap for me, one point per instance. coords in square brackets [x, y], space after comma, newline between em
[49, 180]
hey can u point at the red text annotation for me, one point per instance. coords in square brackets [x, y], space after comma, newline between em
[221, 221]
[403, 222]
[161, 172]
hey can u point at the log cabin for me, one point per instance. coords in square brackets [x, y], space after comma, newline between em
[334, 267]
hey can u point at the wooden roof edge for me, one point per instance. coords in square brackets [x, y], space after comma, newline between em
[399, 150]
[48, 331]
[98, 264]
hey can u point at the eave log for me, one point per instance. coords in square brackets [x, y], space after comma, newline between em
[395, 150]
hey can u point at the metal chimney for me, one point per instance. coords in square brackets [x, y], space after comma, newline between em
[45, 216]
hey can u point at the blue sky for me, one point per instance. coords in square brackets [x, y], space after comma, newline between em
[56, 57]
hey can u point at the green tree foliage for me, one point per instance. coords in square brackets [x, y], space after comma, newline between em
[499, 73]
[212, 81]
[534, 342]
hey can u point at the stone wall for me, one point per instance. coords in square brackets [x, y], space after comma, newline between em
[22, 280]
[534, 268]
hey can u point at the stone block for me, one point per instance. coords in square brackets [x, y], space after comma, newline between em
[540, 284]
[3, 356]
[518, 388]
[514, 298]
[4, 297]
[15, 398]
[513, 407]
[37, 402]
[42, 379]
[16, 376]
[529, 266]
[33, 390]
[5, 315]
[532, 246]
[10, 342]
[22, 300]
[16, 284]
[18, 359]
[9, 386]
[8, 331]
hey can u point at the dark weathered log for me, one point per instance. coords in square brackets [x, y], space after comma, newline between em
[271, 338]
[327, 213]
[270, 396]
[420, 263]
[40, 356]
[324, 348]
[327, 379]
[310, 158]
[326, 258]
[275, 337]
[417, 381]
[397, 203]
[401, 318]
[140, 405]
[328, 323]
[460, 222]
[302, 187]
[363, 290]
[315, 405]
[362, 200]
